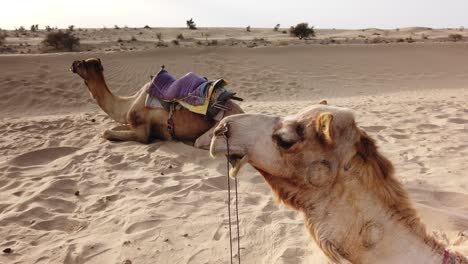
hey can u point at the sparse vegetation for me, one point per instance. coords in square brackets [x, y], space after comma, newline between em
[133, 39]
[2, 37]
[180, 37]
[409, 40]
[48, 28]
[61, 40]
[284, 32]
[34, 28]
[147, 27]
[213, 42]
[116, 27]
[424, 36]
[175, 42]
[302, 31]
[276, 28]
[400, 40]
[119, 40]
[191, 24]
[206, 35]
[71, 28]
[21, 30]
[247, 29]
[455, 37]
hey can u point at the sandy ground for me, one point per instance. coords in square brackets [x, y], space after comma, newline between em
[69, 196]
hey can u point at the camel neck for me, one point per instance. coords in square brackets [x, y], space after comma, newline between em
[115, 106]
[364, 229]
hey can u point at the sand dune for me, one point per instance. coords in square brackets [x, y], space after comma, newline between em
[69, 196]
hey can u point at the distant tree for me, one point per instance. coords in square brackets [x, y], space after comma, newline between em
[48, 28]
[276, 28]
[61, 40]
[116, 27]
[147, 27]
[247, 29]
[302, 31]
[71, 28]
[191, 24]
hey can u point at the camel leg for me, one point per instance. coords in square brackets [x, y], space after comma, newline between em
[140, 134]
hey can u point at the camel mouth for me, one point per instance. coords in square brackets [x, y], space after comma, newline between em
[74, 66]
[237, 162]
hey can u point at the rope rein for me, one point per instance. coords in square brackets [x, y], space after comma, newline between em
[226, 129]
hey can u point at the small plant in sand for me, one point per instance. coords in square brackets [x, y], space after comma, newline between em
[302, 31]
[147, 27]
[247, 29]
[276, 28]
[455, 37]
[119, 40]
[409, 40]
[180, 37]
[191, 24]
[175, 42]
[61, 40]
[133, 39]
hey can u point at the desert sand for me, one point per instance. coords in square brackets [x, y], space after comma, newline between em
[69, 196]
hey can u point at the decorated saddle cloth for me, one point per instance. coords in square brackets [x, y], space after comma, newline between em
[191, 91]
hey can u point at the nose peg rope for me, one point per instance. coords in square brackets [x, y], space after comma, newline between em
[225, 131]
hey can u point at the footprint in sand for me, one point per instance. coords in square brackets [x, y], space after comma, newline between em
[42, 156]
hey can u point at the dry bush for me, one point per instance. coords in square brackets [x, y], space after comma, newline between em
[147, 27]
[61, 40]
[455, 37]
[175, 42]
[133, 39]
[302, 31]
[247, 29]
[180, 37]
[276, 28]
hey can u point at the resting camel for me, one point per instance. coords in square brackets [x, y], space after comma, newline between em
[140, 123]
[322, 164]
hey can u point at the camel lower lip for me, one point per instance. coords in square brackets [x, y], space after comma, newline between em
[236, 161]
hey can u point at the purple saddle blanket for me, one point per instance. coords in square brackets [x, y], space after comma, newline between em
[191, 88]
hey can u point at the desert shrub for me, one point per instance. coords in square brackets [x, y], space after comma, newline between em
[276, 28]
[34, 28]
[376, 34]
[147, 27]
[400, 40]
[247, 29]
[284, 32]
[423, 36]
[377, 40]
[191, 24]
[116, 27]
[133, 39]
[48, 28]
[61, 40]
[21, 30]
[71, 28]
[409, 40]
[175, 42]
[455, 37]
[119, 40]
[161, 44]
[199, 42]
[302, 31]
[180, 37]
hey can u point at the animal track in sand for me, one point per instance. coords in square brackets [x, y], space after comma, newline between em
[42, 156]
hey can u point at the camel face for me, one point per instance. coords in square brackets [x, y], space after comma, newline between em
[309, 147]
[88, 69]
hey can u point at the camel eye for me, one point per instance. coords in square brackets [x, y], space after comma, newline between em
[283, 143]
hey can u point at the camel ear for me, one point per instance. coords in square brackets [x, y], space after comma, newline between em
[323, 126]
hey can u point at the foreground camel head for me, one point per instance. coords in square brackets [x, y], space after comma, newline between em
[88, 69]
[321, 163]
[309, 148]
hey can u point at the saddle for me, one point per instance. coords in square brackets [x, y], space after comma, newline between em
[195, 93]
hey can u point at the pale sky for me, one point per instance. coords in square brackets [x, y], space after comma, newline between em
[239, 13]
